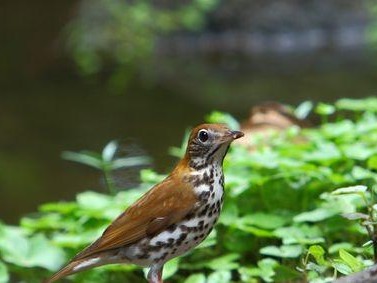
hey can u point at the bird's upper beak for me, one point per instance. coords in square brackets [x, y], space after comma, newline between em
[236, 134]
[232, 135]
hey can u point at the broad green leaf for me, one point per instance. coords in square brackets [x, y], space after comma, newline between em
[291, 251]
[318, 253]
[229, 213]
[265, 270]
[130, 162]
[316, 215]
[196, 278]
[303, 110]
[342, 267]
[170, 268]
[83, 159]
[264, 220]
[355, 216]
[4, 276]
[366, 104]
[372, 162]
[335, 248]
[109, 150]
[225, 262]
[93, 201]
[350, 190]
[360, 173]
[302, 234]
[358, 151]
[325, 109]
[220, 276]
[35, 251]
[354, 263]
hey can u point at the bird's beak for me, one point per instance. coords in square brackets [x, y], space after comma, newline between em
[230, 136]
[236, 134]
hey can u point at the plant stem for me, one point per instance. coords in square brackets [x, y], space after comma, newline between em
[108, 181]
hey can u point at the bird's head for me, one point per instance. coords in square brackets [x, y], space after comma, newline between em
[208, 143]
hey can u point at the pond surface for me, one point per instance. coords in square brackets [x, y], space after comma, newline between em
[40, 119]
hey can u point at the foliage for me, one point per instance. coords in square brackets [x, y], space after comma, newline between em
[298, 208]
[107, 161]
[124, 33]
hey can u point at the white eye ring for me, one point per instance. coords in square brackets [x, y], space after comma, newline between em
[203, 136]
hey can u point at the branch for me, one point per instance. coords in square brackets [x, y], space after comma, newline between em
[366, 276]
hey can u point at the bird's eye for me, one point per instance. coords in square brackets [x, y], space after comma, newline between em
[203, 135]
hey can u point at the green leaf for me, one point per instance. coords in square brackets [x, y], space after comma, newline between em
[170, 268]
[130, 162]
[318, 253]
[358, 151]
[225, 262]
[303, 110]
[316, 215]
[350, 190]
[360, 173]
[264, 220]
[341, 267]
[93, 201]
[196, 278]
[291, 251]
[325, 109]
[4, 276]
[35, 251]
[220, 276]
[365, 104]
[354, 263]
[82, 158]
[109, 151]
[265, 270]
[372, 162]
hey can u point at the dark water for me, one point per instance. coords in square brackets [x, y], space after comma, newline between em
[45, 108]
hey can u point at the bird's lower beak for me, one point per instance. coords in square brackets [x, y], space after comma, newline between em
[236, 134]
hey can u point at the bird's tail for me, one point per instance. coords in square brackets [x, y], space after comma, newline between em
[75, 266]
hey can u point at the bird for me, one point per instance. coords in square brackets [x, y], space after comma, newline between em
[173, 217]
[268, 118]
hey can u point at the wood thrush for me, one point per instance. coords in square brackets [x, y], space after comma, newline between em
[171, 218]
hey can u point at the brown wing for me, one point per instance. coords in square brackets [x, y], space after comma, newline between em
[165, 204]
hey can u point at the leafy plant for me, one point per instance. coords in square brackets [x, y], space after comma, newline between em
[123, 34]
[296, 209]
[106, 162]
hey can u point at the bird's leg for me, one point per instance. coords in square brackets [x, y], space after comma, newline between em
[155, 274]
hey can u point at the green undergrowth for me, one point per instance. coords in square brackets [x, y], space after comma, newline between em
[299, 208]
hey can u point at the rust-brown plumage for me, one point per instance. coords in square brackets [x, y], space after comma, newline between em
[166, 204]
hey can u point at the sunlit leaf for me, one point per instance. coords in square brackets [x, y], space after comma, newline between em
[220, 276]
[82, 158]
[354, 263]
[318, 253]
[286, 251]
[4, 276]
[303, 110]
[224, 262]
[196, 278]
[109, 151]
[350, 190]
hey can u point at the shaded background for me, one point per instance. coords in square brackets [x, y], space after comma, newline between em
[76, 74]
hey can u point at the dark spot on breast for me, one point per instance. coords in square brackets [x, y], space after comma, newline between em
[184, 228]
[172, 228]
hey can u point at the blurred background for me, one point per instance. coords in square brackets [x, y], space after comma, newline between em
[76, 74]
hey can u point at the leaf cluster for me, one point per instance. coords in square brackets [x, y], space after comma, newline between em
[298, 208]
